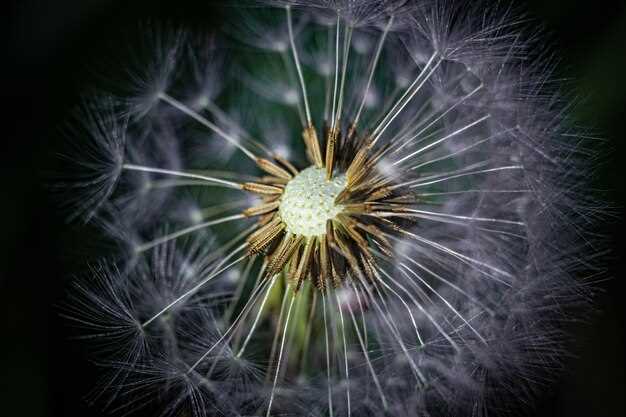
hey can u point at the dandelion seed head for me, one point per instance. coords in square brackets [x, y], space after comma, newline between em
[371, 208]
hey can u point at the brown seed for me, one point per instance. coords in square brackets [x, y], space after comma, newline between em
[262, 188]
[282, 255]
[265, 236]
[261, 209]
[304, 264]
[273, 169]
[313, 145]
[286, 164]
[324, 264]
[331, 142]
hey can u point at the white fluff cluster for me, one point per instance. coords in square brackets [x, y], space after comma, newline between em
[462, 318]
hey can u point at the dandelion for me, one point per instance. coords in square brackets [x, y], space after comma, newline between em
[333, 208]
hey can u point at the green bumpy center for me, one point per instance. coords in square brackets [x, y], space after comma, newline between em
[309, 201]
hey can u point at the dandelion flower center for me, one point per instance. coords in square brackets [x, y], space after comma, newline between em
[309, 201]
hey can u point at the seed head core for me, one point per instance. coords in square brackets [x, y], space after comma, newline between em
[309, 201]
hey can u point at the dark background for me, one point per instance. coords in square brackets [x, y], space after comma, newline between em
[45, 70]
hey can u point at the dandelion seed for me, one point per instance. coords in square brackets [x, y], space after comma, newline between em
[388, 233]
